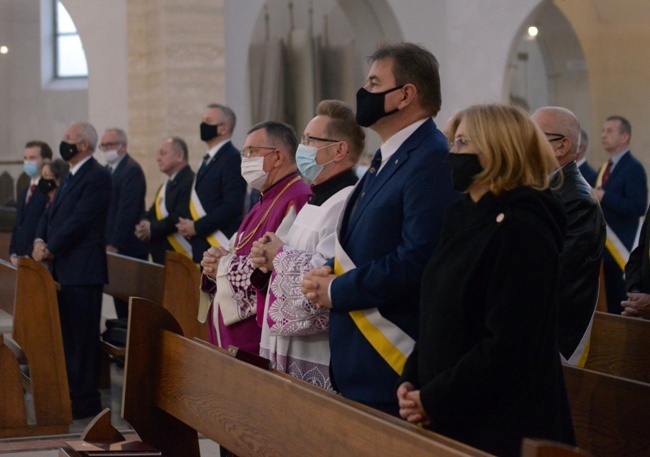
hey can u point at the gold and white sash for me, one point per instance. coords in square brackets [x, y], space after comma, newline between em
[196, 209]
[392, 343]
[178, 242]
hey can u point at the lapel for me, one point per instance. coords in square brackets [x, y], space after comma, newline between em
[211, 163]
[393, 164]
[74, 180]
[120, 166]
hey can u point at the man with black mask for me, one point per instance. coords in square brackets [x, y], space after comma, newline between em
[72, 242]
[219, 189]
[390, 226]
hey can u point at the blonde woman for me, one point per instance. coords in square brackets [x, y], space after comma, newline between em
[486, 369]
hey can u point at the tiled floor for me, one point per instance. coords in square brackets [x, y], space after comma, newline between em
[48, 446]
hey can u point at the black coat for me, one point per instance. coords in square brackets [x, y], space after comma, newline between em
[584, 245]
[127, 205]
[487, 361]
[177, 198]
[27, 220]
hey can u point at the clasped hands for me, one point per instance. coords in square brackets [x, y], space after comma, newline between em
[41, 253]
[636, 305]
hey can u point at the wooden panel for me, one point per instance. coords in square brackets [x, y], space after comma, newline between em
[610, 414]
[12, 404]
[182, 281]
[128, 277]
[8, 276]
[619, 346]
[545, 448]
[5, 245]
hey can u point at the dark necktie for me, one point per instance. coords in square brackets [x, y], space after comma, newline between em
[606, 173]
[206, 159]
[373, 170]
[32, 188]
[66, 181]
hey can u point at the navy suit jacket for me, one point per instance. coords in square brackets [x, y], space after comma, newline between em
[221, 189]
[27, 220]
[75, 227]
[390, 236]
[626, 198]
[177, 197]
[127, 205]
[588, 173]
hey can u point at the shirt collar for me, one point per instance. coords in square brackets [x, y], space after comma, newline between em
[213, 151]
[76, 168]
[617, 158]
[394, 142]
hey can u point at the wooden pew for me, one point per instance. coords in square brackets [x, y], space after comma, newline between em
[610, 414]
[131, 277]
[175, 387]
[620, 346]
[29, 295]
[181, 298]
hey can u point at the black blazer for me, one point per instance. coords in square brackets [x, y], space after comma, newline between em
[221, 189]
[27, 219]
[177, 197]
[588, 173]
[127, 205]
[75, 226]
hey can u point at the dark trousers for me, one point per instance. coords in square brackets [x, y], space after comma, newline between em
[80, 312]
[614, 284]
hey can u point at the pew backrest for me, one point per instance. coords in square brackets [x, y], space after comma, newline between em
[610, 414]
[175, 387]
[619, 346]
[128, 276]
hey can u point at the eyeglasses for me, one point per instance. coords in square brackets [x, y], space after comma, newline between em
[108, 146]
[251, 151]
[559, 136]
[308, 139]
[458, 144]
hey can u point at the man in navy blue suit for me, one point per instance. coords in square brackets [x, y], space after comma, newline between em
[622, 189]
[127, 202]
[586, 170]
[31, 201]
[72, 241]
[390, 226]
[217, 198]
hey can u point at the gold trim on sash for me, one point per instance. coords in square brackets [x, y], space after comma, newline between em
[617, 249]
[392, 343]
[196, 210]
[180, 244]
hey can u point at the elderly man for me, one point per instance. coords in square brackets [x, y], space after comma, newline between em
[218, 192]
[294, 331]
[158, 225]
[31, 202]
[127, 202]
[622, 190]
[584, 241]
[390, 226]
[72, 241]
[269, 165]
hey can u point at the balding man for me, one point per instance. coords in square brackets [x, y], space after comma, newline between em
[584, 241]
[72, 241]
[158, 226]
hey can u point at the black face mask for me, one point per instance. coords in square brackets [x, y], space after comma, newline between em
[46, 185]
[370, 106]
[68, 150]
[464, 168]
[209, 132]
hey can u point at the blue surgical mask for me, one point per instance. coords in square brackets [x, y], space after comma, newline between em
[30, 167]
[306, 160]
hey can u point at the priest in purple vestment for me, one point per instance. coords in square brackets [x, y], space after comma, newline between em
[269, 165]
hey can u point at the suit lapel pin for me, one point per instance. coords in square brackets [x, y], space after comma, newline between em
[500, 217]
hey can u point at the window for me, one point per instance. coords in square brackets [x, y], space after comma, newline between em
[69, 56]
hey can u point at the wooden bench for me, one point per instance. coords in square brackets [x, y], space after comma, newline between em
[29, 295]
[175, 387]
[620, 346]
[610, 414]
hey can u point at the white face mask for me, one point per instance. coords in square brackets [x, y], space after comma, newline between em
[111, 156]
[252, 169]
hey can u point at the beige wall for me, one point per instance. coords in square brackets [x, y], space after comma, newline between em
[614, 37]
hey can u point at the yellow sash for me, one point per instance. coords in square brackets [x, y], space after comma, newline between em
[196, 209]
[178, 242]
[392, 343]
